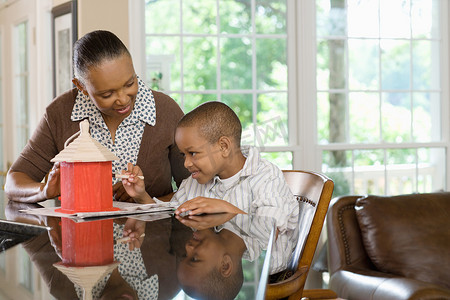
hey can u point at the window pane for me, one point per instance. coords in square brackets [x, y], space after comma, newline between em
[236, 63]
[282, 160]
[199, 17]
[426, 117]
[235, 16]
[272, 120]
[338, 166]
[162, 16]
[363, 76]
[425, 19]
[323, 118]
[401, 171]
[241, 104]
[395, 64]
[270, 16]
[395, 19]
[331, 18]
[163, 56]
[425, 71]
[191, 101]
[362, 18]
[338, 118]
[200, 64]
[369, 172]
[396, 117]
[271, 67]
[364, 117]
[322, 62]
[432, 164]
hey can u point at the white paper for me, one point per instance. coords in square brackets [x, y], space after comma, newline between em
[125, 208]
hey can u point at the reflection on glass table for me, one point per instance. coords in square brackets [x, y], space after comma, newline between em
[160, 258]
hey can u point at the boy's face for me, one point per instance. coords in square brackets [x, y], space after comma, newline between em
[202, 159]
[204, 252]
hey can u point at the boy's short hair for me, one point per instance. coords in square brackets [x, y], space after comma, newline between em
[216, 286]
[214, 119]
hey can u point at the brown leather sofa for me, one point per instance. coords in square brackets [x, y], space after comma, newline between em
[394, 247]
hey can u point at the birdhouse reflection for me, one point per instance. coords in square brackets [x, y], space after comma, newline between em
[87, 252]
[87, 243]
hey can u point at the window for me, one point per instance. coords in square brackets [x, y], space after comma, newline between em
[21, 87]
[231, 51]
[379, 95]
[361, 102]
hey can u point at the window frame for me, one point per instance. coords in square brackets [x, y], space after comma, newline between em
[444, 93]
[302, 91]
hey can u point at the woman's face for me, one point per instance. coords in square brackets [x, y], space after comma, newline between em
[112, 86]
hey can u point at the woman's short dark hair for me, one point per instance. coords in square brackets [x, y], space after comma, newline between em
[93, 48]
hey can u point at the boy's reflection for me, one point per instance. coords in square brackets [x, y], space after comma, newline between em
[212, 268]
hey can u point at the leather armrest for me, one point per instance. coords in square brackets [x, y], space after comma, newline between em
[345, 245]
[368, 284]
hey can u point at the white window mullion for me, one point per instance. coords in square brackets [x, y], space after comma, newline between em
[444, 13]
[309, 157]
[181, 39]
[219, 56]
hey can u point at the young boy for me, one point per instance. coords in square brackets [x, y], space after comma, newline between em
[225, 177]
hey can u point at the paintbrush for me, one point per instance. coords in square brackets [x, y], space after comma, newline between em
[126, 176]
[125, 239]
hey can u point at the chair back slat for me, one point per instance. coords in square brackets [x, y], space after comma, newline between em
[313, 191]
[307, 187]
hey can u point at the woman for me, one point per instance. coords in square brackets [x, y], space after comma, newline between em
[134, 122]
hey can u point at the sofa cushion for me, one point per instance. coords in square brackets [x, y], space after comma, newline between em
[408, 235]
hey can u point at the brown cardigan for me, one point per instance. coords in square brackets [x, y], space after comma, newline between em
[158, 157]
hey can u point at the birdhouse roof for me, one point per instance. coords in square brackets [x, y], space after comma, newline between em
[84, 148]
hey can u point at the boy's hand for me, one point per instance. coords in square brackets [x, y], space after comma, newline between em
[203, 205]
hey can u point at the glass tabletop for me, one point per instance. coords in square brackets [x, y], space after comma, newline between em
[166, 258]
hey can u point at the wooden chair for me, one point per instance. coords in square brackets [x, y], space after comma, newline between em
[313, 191]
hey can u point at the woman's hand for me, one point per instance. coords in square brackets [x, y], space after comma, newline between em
[203, 205]
[52, 187]
[120, 194]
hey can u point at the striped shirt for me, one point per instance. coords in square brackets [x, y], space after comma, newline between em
[259, 190]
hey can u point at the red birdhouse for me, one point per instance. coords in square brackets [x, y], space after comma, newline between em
[85, 174]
